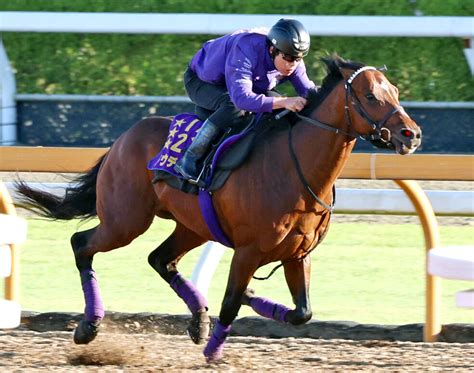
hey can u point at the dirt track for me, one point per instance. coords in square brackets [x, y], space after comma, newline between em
[30, 351]
[54, 351]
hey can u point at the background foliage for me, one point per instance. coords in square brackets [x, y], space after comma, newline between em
[425, 69]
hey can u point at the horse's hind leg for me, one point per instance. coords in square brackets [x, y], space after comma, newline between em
[87, 329]
[297, 275]
[87, 243]
[164, 260]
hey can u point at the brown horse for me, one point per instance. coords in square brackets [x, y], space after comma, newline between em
[275, 208]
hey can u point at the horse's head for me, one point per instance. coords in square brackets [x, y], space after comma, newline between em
[372, 108]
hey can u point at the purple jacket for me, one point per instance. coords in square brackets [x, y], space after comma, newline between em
[241, 61]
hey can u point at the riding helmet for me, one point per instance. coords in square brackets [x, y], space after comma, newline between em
[290, 37]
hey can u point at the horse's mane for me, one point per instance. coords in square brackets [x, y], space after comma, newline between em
[333, 65]
[315, 97]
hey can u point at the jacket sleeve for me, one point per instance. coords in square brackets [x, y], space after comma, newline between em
[300, 80]
[239, 80]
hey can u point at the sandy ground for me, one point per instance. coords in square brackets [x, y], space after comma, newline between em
[29, 351]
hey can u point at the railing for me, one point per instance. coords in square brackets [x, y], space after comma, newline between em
[12, 233]
[374, 166]
[217, 24]
[359, 166]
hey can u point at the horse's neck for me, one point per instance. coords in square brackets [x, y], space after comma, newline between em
[323, 154]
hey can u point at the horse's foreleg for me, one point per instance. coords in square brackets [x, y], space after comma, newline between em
[164, 260]
[244, 264]
[298, 275]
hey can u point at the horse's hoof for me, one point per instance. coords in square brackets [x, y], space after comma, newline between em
[85, 332]
[213, 354]
[198, 328]
[214, 358]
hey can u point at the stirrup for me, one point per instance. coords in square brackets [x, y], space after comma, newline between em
[198, 181]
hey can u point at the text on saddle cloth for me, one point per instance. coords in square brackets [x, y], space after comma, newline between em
[183, 130]
[227, 156]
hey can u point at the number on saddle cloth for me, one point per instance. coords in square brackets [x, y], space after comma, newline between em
[183, 129]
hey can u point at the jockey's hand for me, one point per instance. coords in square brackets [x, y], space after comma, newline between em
[290, 103]
[295, 103]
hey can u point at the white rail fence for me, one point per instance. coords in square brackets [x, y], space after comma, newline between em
[351, 200]
[215, 24]
[218, 24]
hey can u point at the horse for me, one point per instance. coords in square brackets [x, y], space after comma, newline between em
[275, 207]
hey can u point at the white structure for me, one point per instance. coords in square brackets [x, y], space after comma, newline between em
[12, 232]
[367, 201]
[216, 24]
[207, 265]
[455, 263]
[219, 24]
[7, 100]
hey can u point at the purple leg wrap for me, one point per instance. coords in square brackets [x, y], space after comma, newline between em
[267, 308]
[215, 345]
[188, 292]
[94, 310]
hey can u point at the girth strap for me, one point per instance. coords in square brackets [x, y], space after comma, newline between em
[210, 216]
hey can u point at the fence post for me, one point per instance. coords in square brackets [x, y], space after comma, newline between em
[7, 100]
[430, 229]
[12, 283]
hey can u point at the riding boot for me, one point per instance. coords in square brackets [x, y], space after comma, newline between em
[187, 166]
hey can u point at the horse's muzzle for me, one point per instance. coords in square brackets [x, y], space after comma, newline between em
[406, 140]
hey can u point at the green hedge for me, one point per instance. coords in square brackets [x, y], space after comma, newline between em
[425, 69]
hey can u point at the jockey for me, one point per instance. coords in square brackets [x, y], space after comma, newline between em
[236, 73]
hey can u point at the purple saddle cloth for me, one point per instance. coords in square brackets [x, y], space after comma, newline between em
[183, 129]
[226, 157]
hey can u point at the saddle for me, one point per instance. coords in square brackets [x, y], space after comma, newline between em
[229, 152]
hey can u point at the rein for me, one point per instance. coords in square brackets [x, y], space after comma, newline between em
[377, 127]
[301, 176]
[376, 135]
[283, 263]
[310, 191]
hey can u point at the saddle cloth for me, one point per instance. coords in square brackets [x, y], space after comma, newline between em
[230, 152]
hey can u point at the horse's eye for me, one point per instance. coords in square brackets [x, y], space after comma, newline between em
[370, 97]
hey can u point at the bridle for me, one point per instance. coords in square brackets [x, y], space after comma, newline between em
[378, 128]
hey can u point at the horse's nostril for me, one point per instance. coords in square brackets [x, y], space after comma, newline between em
[407, 133]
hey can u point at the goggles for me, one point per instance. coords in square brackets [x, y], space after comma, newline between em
[290, 58]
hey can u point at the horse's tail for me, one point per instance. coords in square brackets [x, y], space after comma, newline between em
[79, 201]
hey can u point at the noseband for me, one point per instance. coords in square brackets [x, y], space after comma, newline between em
[377, 127]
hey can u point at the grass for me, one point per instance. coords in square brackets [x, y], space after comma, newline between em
[370, 273]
